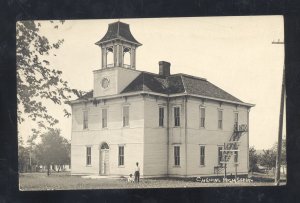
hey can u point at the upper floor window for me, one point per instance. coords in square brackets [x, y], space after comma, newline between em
[85, 119]
[177, 155]
[125, 116]
[104, 118]
[202, 155]
[220, 119]
[176, 116]
[88, 156]
[202, 117]
[236, 120]
[161, 116]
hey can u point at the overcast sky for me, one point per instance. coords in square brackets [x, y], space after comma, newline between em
[234, 53]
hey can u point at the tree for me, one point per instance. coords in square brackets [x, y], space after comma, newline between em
[268, 158]
[23, 156]
[253, 159]
[283, 151]
[36, 79]
[53, 149]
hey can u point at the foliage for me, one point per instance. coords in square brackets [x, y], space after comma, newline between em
[36, 79]
[268, 158]
[23, 158]
[53, 149]
[253, 159]
[283, 150]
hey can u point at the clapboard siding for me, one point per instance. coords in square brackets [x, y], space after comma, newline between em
[132, 137]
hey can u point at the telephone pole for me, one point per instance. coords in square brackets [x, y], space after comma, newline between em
[279, 143]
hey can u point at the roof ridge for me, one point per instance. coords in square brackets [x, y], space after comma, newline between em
[183, 84]
[191, 76]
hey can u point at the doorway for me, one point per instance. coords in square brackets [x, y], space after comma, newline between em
[104, 159]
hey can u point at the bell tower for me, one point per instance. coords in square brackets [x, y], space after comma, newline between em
[118, 47]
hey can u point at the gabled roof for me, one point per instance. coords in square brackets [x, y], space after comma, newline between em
[178, 83]
[174, 84]
[118, 30]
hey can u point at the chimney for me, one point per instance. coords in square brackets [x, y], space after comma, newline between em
[164, 68]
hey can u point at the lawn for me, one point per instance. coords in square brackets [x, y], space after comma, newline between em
[64, 181]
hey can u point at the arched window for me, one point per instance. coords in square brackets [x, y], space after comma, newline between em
[126, 57]
[104, 146]
[110, 57]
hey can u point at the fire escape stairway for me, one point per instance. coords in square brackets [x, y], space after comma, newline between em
[230, 147]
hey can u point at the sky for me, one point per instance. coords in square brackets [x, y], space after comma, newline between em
[234, 53]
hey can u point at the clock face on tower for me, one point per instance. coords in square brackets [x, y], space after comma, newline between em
[105, 83]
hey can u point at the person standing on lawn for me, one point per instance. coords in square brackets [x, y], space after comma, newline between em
[137, 173]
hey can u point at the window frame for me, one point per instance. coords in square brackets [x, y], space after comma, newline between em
[85, 121]
[104, 124]
[121, 156]
[236, 120]
[202, 119]
[177, 156]
[176, 117]
[124, 117]
[236, 157]
[220, 120]
[202, 155]
[161, 116]
[220, 154]
[88, 155]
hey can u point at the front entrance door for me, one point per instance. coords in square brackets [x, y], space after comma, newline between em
[104, 159]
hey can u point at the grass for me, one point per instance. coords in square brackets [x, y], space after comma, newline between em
[64, 181]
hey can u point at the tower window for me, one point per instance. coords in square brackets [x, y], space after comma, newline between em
[110, 57]
[126, 57]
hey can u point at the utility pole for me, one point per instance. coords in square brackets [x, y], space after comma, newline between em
[279, 144]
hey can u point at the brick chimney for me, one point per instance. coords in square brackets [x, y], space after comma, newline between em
[164, 68]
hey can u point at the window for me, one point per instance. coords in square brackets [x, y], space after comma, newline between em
[104, 118]
[236, 120]
[236, 156]
[220, 119]
[88, 156]
[202, 117]
[202, 155]
[85, 119]
[177, 116]
[177, 155]
[121, 155]
[125, 116]
[220, 154]
[161, 116]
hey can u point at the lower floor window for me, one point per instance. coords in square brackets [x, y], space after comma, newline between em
[236, 156]
[177, 155]
[202, 155]
[121, 155]
[88, 155]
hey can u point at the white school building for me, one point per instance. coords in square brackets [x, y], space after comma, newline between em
[172, 124]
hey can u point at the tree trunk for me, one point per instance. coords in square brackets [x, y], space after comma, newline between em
[48, 169]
